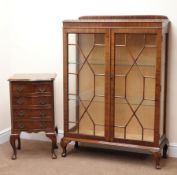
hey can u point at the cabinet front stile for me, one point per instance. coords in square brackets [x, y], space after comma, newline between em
[65, 80]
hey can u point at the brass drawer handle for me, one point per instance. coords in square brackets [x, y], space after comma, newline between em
[42, 89]
[20, 88]
[21, 113]
[43, 125]
[21, 126]
[42, 114]
[20, 101]
[42, 102]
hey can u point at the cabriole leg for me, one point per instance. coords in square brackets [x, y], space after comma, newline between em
[76, 146]
[56, 130]
[165, 149]
[19, 143]
[13, 138]
[64, 144]
[53, 138]
[157, 156]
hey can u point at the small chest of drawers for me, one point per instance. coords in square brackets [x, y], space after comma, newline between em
[32, 107]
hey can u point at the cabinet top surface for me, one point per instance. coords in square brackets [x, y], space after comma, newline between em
[148, 21]
[32, 77]
[133, 18]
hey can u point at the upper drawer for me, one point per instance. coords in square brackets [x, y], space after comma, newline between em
[38, 100]
[22, 88]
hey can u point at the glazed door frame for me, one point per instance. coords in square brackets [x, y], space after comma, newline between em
[106, 32]
[158, 33]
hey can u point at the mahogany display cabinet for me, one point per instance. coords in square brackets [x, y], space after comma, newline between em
[115, 82]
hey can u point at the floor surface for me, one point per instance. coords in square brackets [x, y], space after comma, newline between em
[35, 159]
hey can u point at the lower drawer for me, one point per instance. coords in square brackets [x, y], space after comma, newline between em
[33, 125]
[32, 114]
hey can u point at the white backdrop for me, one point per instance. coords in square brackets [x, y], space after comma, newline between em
[31, 41]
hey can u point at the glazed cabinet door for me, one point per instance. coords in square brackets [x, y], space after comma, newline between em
[86, 60]
[135, 86]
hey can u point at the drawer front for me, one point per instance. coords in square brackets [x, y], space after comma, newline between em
[43, 88]
[22, 88]
[33, 125]
[40, 100]
[32, 114]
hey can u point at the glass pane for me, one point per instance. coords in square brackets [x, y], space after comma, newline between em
[120, 39]
[146, 116]
[75, 56]
[73, 68]
[72, 53]
[148, 135]
[94, 120]
[86, 43]
[73, 127]
[86, 125]
[148, 71]
[99, 38]
[72, 38]
[86, 80]
[147, 57]
[135, 44]
[72, 83]
[98, 68]
[123, 112]
[99, 130]
[119, 132]
[96, 110]
[72, 110]
[120, 86]
[149, 89]
[99, 85]
[135, 70]
[134, 130]
[122, 57]
[134, 91]
[97, 55]
[150, 40]
[86, 83]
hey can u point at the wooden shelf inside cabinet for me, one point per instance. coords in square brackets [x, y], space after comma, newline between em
[115, 82]
[32, 107]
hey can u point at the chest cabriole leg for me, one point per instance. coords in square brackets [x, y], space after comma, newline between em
[13, 139]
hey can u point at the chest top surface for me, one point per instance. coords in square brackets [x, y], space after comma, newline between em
[33, 77]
